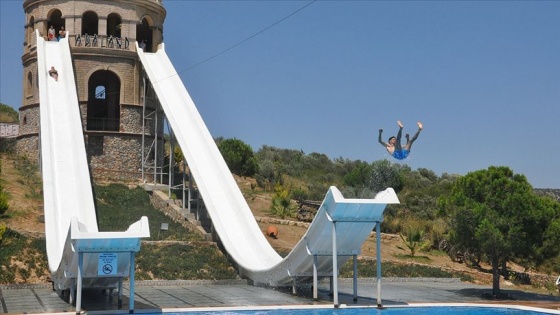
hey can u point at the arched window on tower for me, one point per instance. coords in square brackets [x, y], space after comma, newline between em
[114, 25]
[103, 107]
[56, 20]
[144, 33]
[90, 23]
[31, 31]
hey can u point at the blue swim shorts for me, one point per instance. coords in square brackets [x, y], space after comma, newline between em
[401, 154]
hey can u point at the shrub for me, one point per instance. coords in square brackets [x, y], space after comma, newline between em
[281, 203]
[2, 231]
[4, 205]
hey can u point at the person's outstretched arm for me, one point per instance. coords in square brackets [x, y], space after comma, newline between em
[379, 138]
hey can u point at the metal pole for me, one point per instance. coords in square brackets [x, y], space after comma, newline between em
[131, 290]
[171, 154]
[72, 297]
[378, 254]
[162, 151]
[79, 288]
[143, 127]
[156, 132]
[184, 180]
[355, 278]
[334, 266]
[119, 299]
[198, 205]
[190, 194]
[315, 293]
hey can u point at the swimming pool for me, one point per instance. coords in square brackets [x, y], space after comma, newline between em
[393, 310]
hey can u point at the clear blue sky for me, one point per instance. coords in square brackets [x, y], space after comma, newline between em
[483, 77]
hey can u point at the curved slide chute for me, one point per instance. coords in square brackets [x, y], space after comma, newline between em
[232, 218]
[71, 227]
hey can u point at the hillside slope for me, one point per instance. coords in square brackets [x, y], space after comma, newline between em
[20, 179]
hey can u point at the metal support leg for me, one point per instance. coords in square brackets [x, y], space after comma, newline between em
[184, 181]
[72, 292]
[355, 278]
[315, 294]
[294, 285]
[156, 135]
[335, 266]
[131, 277]
[79, 288]
[378, 254]
[190, 192]
[171, 168]
[119, 297]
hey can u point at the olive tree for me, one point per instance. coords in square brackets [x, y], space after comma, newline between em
[495, 215]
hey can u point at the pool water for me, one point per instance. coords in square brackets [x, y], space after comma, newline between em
[431, 310]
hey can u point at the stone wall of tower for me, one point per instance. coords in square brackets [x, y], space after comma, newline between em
[114, 154]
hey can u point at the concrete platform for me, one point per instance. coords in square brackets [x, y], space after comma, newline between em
[154, 296]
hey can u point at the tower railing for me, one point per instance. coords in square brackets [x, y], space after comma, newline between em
[103, 124]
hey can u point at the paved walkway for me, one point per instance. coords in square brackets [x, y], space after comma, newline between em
[157, 295]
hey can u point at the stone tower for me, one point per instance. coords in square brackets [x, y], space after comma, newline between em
[121, 120]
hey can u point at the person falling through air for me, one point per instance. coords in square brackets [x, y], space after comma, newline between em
[394, 146]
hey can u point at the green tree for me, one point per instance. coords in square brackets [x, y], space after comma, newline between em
[418, 198]
[316, 171]
[178, 155]
[284, 161]
[551, 236]
[239, 157]
[359, 175]
[495, 215]
[383, 174]
[266, 174]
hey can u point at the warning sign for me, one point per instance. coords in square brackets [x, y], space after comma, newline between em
[107, 264]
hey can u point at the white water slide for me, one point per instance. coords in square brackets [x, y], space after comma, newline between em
[75, 247]
[325, 245]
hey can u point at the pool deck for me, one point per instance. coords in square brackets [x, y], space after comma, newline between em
[155, 296]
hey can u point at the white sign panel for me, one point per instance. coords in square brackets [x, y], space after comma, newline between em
[107, 264]
[8, 130]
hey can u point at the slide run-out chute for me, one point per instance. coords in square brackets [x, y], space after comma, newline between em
[231, 217]
[74, 243]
